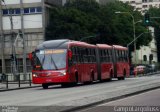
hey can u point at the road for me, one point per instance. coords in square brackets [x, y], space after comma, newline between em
[79, 95]
[147, 100]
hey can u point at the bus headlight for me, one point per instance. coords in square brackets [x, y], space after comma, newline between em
[34, 75]
[63, 72]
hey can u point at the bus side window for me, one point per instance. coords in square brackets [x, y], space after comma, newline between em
[73, 54]
[83, 54]
[107, 55]
[101, 55]
[93, 56]
[119, 56]
[86, 55]
[126, 56]
[110, 55]
[76, 54]
[80, 55]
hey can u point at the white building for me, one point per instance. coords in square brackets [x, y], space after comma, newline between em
[151, 49]
[143, 5]
[29, 16]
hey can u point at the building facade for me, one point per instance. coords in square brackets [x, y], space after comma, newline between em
[151, 49]
[143, 5]
[146, 51]
[28, 16]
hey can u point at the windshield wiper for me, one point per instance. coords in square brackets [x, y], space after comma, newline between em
[54, 63]
[43, 60]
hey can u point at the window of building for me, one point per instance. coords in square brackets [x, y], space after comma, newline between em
[145, 6]
[17, 11]
[38, 9]
[8, 66]
[32, 10]
[11, 11]
[150, 6]
[5, 11]
[144, 1]
[132, 2]
[26, 10]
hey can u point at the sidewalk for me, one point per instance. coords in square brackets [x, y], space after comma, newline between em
[27, 84]
[16, 85]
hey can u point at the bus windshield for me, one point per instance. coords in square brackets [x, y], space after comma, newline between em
[51, 59]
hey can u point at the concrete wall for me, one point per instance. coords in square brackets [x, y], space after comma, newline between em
[32, 25]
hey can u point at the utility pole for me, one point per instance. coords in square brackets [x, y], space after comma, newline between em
[24, 56]
[12, 43]
[24, 42]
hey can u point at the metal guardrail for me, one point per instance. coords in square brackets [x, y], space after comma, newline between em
[15, 80]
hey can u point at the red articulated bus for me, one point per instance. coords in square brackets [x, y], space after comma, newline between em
[63, 62]
[120, 62]
[70, 62]
[104, 62]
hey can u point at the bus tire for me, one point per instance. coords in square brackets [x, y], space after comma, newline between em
[123, 77]
[92, 76]
[111, 76]
[45, 86]
[76, 77]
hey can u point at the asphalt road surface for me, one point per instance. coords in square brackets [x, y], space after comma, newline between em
[80, 95]
[147, 100]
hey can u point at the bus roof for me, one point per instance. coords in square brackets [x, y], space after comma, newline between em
[61, 44]
[120, 47]
[104, 46]
[79, 43]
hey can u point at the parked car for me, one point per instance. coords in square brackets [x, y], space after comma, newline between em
[151, 68]
[140, 69]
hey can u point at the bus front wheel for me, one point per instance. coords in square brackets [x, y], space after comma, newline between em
[45, 86]
[123, 77]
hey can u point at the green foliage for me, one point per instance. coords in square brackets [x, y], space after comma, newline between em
[81, 18]
[155, 12]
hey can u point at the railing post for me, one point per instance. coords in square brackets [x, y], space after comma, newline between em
[30, 79]
[19, 81]
[7, 81]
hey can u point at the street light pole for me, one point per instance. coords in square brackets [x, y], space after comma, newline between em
[134, 35]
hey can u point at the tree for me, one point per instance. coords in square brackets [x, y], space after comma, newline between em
[82, 18]
[155, 12]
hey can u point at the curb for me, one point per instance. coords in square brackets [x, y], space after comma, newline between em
[18, 88]
[107, 100]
